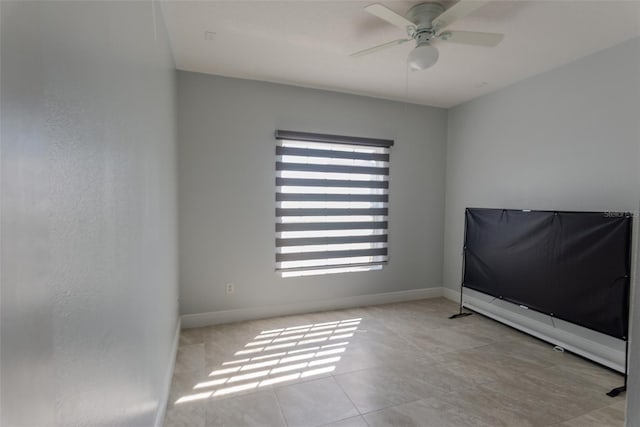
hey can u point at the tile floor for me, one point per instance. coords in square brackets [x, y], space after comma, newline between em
[402, 364]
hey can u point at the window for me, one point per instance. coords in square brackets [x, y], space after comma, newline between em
[332, 196]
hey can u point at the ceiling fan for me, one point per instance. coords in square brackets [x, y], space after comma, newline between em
[425, 23]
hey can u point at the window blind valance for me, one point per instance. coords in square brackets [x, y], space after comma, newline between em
[332, 139]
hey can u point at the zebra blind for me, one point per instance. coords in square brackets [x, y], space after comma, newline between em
[332, 198]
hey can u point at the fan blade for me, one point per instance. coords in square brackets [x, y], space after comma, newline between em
[379, 47]
[455, 12]
[472, 38]
[389, 15]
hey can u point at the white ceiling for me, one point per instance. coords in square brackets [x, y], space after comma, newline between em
[307, 43]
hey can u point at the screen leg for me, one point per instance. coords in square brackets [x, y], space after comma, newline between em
[462, 313]
[618, 390]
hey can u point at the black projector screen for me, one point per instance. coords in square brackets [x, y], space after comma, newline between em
[574, 266]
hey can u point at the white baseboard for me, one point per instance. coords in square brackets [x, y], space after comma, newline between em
[162, 407]
[592, 345]
[237, 315]
[450, 294]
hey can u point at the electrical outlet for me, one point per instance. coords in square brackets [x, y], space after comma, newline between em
[230, 288]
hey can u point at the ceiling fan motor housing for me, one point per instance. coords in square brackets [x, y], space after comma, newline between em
[423, 15]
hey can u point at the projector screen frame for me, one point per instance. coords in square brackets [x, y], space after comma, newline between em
[627, 295]
[627, 274]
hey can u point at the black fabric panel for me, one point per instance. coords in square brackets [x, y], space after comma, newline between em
[334, 139]
[315, 267]
[304, 256]
[303, 182]
[574, 266]
[313, 197]
[312, 167]
[309, 241]
[331, 211]
[333, 154]
[309, 226]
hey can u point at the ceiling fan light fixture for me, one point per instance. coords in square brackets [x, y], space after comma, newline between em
[422, 57]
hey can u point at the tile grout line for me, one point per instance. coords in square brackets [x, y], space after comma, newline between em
[286, 423]
[550, 365]
[362, 414]
[347, 396]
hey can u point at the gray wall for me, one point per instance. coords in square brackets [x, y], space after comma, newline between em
[633, 393]
[564, 140]
[567, 139]
[227, 190]
[89, 263]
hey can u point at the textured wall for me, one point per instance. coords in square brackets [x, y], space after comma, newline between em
[564, 140]
[89, 263]
[633, 392]
[567, 139]
[227, 190]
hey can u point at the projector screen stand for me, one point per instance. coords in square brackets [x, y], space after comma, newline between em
[461, 313]
[618, 390]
